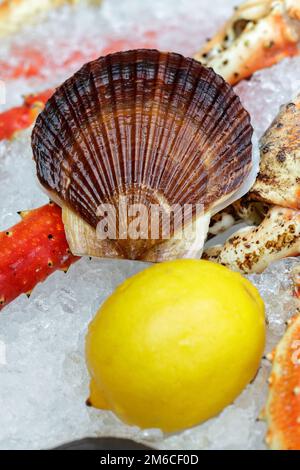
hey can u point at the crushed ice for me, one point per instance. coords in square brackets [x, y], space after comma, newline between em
[44, 382]
[43, 377]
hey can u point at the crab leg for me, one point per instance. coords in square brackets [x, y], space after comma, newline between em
[282, 411]
[278, 181]
[31, 251]
[259, 34]
[277, 234]
[19, 118]
[252, 249]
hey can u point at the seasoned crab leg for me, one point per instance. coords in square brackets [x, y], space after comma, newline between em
[282, 411]
[19, 118]
[31, 251]
[278, 183]
[14, 14]
[252, 249]
[259, 34]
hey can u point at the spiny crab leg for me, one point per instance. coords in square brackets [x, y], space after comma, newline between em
[252, 249]
[282, 411]
[31, 251]
[259, 34]
[21, 117]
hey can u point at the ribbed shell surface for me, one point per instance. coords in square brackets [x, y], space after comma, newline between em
[146, 124]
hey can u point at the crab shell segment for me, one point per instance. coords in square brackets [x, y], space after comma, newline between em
[17, 119]
[282, 411]
[278, 181]
[259, 34]
[31, 251]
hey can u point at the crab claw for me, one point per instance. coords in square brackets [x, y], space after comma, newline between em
[259, 34]
[282, 411]
[278, 181]
[252, 249]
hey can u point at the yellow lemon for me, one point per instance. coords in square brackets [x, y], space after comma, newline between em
[175, 344]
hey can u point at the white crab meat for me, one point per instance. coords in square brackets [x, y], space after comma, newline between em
[259, 34]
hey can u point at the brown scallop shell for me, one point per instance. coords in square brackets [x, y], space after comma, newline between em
[152, 126]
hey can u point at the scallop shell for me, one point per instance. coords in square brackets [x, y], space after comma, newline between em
[152, 127]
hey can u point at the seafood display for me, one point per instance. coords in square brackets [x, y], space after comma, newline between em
[276, 193]
[259, 34]
[154, 129]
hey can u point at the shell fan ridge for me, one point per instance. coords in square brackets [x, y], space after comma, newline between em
[154, 127]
